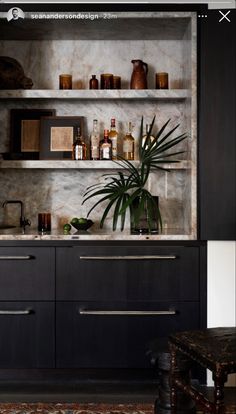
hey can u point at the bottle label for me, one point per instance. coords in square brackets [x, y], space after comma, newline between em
[128, 146]
[95, 139]
[114, 147]
[78, 152]
[114, 152]
[106, 153]
[95, 152]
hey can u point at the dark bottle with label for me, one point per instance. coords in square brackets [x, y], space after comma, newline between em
[79, 146]
[93, 83]
[105, 147]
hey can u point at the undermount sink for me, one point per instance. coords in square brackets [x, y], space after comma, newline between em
[11, 230]
[6, 227]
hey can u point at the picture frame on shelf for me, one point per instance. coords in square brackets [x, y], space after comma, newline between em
[25, 131]
[57, 135]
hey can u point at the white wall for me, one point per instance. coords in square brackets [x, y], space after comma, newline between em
[221, 296]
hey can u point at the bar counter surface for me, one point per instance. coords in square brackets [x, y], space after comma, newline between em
[33, 234]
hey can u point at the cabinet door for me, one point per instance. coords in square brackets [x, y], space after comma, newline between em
[123, 273]
[27, 273]
[217, 132]
[90, 335]
[26, 335]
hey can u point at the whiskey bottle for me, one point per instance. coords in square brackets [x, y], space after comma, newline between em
[94, 141]
[113, 136]
[105, 147]
[128, 144]
[150, 138]
[79, 146]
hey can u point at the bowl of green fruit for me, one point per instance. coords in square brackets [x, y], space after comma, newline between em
[81, 223]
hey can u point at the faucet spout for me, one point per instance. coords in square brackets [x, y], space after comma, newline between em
[23, 221]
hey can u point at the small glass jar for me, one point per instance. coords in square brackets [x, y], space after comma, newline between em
[106, 81]
[116, 82]
[65, 81]
[162, 80]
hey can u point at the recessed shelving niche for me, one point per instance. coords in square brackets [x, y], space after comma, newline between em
[167, 42]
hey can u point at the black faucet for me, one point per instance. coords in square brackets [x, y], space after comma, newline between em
[23, 221]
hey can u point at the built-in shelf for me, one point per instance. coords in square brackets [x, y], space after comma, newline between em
[88, 164]
[96, 94]
[105, 25]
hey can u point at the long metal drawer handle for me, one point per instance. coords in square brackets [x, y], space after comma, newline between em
[15, 257]
[154, 257]
[15, 312]
[126, 312]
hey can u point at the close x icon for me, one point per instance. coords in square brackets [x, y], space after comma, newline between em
[224, 16]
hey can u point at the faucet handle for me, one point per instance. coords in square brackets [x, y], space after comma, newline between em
[25, 222]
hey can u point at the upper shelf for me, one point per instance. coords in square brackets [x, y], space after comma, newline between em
[96, 94]
[97, 26]
[88, 164]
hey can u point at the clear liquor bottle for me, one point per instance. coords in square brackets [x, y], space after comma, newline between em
[105, 147]
[128, 144]
[94, 142]
[79, 148]
[113, 136]
[150, 138]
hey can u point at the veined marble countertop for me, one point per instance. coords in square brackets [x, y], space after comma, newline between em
[33, 234]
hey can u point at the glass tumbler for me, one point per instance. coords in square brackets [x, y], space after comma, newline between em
[44, 222]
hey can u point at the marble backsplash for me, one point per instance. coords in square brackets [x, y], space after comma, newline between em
[61, 193]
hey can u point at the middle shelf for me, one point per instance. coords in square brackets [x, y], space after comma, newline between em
[83, 165]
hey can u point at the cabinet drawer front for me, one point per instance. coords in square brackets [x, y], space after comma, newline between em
[116, 340]
[27, 273]
[128, 273]
[27, 335]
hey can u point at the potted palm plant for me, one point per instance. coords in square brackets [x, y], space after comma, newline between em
[126, 191]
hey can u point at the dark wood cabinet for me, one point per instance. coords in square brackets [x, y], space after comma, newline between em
[27, 273]
[127, 273]
[27, 335]
[217, 131]
[117, 335]
[96, 305]
[27, 308]
[113, 300]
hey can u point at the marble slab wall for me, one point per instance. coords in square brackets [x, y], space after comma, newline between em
[60, 191]
[102, 110]
[44, 61]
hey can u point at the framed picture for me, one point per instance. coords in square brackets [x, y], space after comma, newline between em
[57, 135]
[25, 131]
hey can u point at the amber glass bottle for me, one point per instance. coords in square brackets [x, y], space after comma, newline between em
[128, 144]
[93, 83]
[113, 136]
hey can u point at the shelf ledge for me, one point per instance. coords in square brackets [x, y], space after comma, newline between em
[80, 165]
[96, 94]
